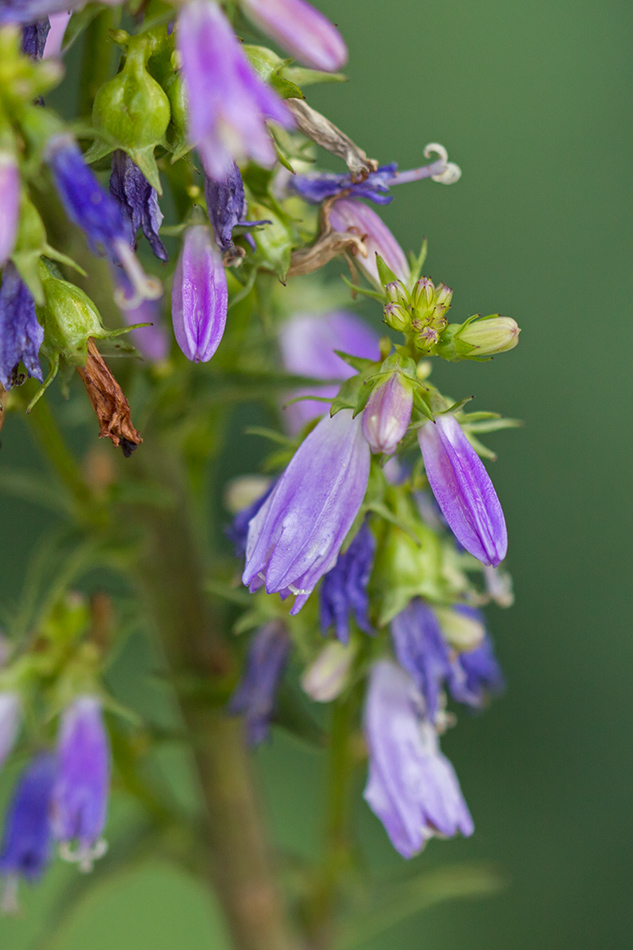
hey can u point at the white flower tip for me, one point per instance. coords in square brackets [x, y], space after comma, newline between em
[450, 175]
[434, 148]
[83, 857]
[144, 286]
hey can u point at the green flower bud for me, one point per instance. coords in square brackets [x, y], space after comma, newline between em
[429, 305]
[69, 318]
[491, 335]
[396, 292]
[397, 317]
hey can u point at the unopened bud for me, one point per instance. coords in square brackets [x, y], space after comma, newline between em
[69, 318]
[462, 627]
[328, 675]
[387, 415]
[396, 292]
[397, 317]
[492, 335]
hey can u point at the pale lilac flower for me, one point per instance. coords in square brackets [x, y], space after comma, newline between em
[307, 343]
[228, 102]
[98, 214]
[300, 29]
[199, 296]
[54, 42]
[296, 536]
[347, 215]
[344, 588]
[21, 335]
[463, 489]
[411, 787]
[27, 840]
[327, 676]
[9, 204]
[138, 201]
[10, 716]
[387, 415]
[83, 782]
[256, 692]
[422, 651]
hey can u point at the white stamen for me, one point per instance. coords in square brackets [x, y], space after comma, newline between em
[450, 175]
[434, 148]
[144, 286]
[297, 590]
[84, 858]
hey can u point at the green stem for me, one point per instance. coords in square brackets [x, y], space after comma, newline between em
[241, 871]
[54, 447]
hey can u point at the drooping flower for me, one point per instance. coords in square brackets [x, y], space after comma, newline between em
[411, 787]
[21, 336]
[138, 200]
[422, 651]
[228, 103]
[97, 213]
[300, 29]
[10, 715]
[317, 186]
[226, 204]
[9, 204]
[256, 692]
[308, 343]
[83, 782]
[34, 38]
[344, 588]
[387, 415]
[296, 536]
[463, 489]
[475, 674]
[27, 839]
[347, 215]
[199, 296]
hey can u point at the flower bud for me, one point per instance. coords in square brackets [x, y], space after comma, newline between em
[302, 30]
[199, 296]
[328, 675]
[69, 318]
[429, 305]
[387, 415]
[492, 335]
[9, 204]
[397, 317]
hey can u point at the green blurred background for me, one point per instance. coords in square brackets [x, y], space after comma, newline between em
[534, 102]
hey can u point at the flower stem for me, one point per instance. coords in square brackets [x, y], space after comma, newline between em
[53, 446]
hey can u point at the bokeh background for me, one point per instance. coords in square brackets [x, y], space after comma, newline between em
[534, 102]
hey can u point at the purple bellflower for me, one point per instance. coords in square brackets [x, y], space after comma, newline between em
[98, 215]
[307, 343]
[387, 415]
[34, 38]
[138, 200]
[256, 692]
[316, 187]
[422, 651]
[228, 103]
[295, 537]
[10, 716]
[27, 840]
[199, 296]
[226, 204]
[21, 336]
[347, 215]
[83, 782]
[411, 787]
[463, 490]
[475, 674]
[300, 29]
[344, 588]
[9, 204]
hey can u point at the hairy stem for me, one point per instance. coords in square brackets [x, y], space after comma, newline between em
[241, 869]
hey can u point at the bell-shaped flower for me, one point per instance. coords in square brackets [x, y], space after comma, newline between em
[463, 489]
[296, 536]
[27, 839]
[199, 296]
[308, 342]
[9, 204]
[411, 787]
[256, 692]
[475, 674]
[138, 200]
[300, 29]
[83, 782]
[387, 415]
[347, 215]
[21, 335]
[344, 588]
[10, 716]
[422, 651]
[97, 213]
[228, 102]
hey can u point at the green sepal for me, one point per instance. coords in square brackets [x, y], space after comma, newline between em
[385, 273]
[362, 290]
[310, 77]
[360, 363]
[417, 263]
[270, 68]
